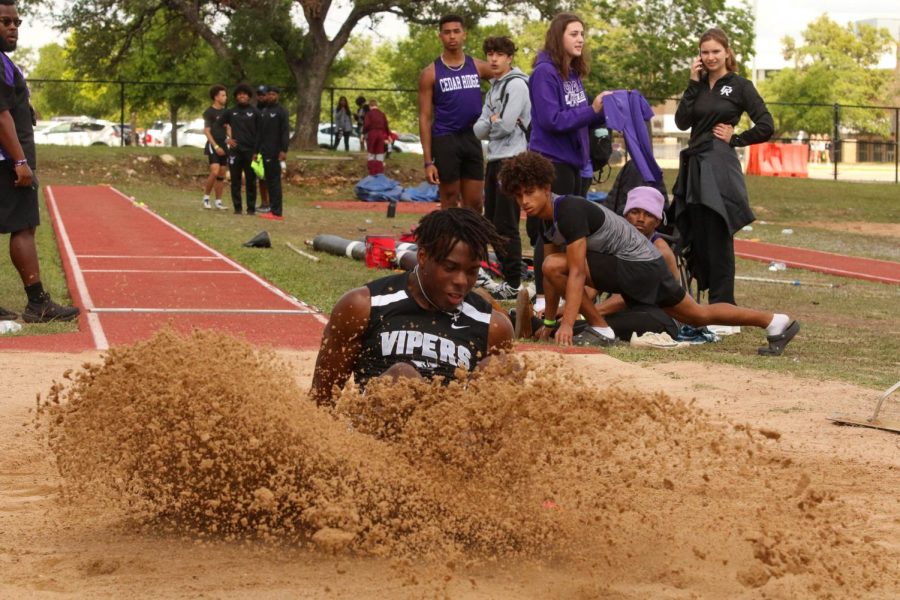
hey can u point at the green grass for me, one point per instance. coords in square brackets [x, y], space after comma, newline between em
[850, 332]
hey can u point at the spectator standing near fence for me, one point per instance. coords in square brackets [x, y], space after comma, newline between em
[378, 134]
[561, 115]
[19, 214]
[710, 201]
[242, 126]
[449, 105]
[362, 107]
[274, 136]
[343, 124]
[504, 120]
[215, 146]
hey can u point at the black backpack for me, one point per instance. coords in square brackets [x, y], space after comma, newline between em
[600, 143]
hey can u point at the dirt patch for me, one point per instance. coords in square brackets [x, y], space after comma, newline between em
[861, 227]
[559, 480]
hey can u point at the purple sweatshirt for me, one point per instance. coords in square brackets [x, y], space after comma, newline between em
[560, 115]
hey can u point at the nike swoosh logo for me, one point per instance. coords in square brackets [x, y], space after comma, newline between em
[452, 326]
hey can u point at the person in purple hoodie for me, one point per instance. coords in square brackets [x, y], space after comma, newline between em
[561, 115]
[449, 105]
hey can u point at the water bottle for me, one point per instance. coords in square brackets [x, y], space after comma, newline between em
[392, 209]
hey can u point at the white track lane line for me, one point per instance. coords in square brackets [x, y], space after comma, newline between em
[161, 271]
[130, 256]
[210, 311]
[93, 319]
[299, 303]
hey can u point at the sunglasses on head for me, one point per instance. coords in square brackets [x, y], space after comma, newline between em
[7, 21]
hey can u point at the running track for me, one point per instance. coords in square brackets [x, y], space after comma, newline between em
[132, 272]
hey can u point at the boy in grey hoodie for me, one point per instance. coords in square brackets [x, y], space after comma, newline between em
[504, 121]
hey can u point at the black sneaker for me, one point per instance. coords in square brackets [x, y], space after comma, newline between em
[47, 311]
[8, 315]
[590, 337]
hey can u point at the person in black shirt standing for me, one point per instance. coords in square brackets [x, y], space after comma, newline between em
[262, 99]
[710, 200]
[19, 215]
[215, 145]
[242, 126]
[274, 135]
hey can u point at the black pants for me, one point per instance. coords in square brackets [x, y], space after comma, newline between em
[337, 140]
[568, 181]
[712, 253]
[503, 211]
[273, 183]
[239, 163]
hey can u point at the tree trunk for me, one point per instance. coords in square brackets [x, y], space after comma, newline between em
[309, 74]
[173, 118]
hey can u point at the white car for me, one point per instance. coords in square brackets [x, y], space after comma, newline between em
[325, 140]
[160, 133]
[78, 133]
[408, 142]
[193, 135]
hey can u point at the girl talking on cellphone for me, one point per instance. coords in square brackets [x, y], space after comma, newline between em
[710, 200]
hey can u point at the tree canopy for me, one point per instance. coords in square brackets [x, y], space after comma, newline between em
[833, 64]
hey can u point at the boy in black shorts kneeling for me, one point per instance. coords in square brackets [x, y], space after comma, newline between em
[586, 244]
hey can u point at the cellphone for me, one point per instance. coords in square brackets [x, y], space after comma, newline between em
[703, 70]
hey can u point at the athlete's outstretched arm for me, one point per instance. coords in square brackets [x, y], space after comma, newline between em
[500, 334]
[341, 344]
[484, 69]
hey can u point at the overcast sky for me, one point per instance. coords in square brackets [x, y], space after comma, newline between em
[775, 19]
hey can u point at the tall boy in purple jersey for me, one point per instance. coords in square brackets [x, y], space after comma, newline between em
[449, 105]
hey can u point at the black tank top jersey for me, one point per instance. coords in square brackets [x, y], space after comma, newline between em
[434, 342]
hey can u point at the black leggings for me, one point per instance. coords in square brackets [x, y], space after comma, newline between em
[503, 211]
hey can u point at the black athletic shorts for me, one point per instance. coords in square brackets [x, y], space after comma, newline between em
[639, 282]
[458, 156]
[215, 159]
[18, 206]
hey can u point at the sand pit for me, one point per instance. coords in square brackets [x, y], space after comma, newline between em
[189, 467]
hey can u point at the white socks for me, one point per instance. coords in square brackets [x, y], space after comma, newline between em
[778, 325]
[606, 332]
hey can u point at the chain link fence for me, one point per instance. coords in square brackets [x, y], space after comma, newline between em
[842, 142]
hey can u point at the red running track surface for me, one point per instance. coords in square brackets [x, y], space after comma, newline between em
[132, 272]
[882, 271]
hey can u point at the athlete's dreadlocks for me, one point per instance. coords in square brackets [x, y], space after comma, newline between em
[439, 231]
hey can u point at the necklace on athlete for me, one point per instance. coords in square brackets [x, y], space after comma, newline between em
[452, 68]
[454, 315]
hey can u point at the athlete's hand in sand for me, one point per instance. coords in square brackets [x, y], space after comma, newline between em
[431, 175]
[564, 335]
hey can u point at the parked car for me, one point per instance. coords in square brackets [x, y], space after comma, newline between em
[160, 133]
[325, 140]
[408, 142]
[193, 135]
[93, 132]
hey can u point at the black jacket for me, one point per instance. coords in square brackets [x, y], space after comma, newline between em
[244, 121]
[702, 108]
[274, 131]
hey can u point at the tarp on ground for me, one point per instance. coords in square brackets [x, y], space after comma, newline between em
[424, 192]
[377, 188]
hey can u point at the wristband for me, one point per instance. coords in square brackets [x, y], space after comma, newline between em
[429, 163]
[550, 322]
[19, 163]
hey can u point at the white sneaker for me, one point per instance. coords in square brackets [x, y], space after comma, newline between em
[220, 206]
[206, 204]
[505, 291]
[484, 280]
